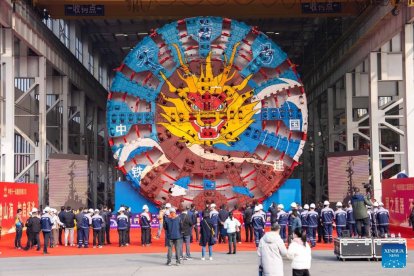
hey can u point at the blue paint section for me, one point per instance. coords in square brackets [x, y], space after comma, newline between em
[282, 144]
[120, 118]
[289, 74]
[243, 191]
[290, 191]
[209, 184]
[265, 54]
[144, 57]
[123, 84]
[170, 35]
[183, 182]
[246, 143]
[126, 195]
[134, 174]
[204, 30]
[289, 113]
[238, 32]
[265, 84]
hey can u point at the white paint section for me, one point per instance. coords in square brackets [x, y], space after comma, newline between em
[162, 160]
[274, 89]
[123, 153]
[199, 151]
[178, 191]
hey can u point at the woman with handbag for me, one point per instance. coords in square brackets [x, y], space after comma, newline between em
[232, 226]
[207, 236]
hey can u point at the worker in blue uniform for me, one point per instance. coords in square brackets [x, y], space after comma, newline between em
[327, 215]
[122, 222]
[282, 219]
[258, 223]
[383, 219]
[350, 220]
[312, 220]
[304, 218]
[97, 224]
[340, 219]
[46, 222]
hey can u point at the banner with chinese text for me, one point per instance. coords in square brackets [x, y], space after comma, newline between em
[16, 196]
[397, 195]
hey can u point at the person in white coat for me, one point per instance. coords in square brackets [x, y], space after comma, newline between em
[271, 250]
[300, 253]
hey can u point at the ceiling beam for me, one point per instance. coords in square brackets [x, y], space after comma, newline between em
[149, 9]
[142, 28]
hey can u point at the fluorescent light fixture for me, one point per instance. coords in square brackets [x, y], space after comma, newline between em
[121, 34]
[142, 33]
[270, 32]
[277, 33]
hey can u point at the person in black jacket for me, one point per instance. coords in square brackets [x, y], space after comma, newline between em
[29, 233]
[68, 219]
[61, 228]
[78, 217]
[247, 217]
[107, 214]
[273, 213]
[187, 223]
[223, 215]
[33, 225]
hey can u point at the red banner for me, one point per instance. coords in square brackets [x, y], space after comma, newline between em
[16, 196]
[397, 195]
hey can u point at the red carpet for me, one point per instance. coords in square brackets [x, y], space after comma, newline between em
[7, 246]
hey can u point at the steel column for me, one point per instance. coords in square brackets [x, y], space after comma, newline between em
[8, 70]
[65, 121]
[374, 120]
[409, 99]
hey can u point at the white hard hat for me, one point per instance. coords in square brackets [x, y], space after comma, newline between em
[168, 205]
[313, 206]
[260, 206]
[376, 204]
[381, 204]
[293, 205]
[256, 208]
[306, 207]
[349, 202]
[54, 210]
[213, 205]
[47, 209]
[339, 204]
[90, 210]
[325, 203]
[122, 209]
[96, 211]
[34, 210]
[172, 210]
[145, 207]
[281, 206]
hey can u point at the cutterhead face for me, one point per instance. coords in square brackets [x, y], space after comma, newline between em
[208, 109]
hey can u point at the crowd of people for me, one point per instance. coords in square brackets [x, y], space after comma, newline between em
[58, 227]
[299, 229]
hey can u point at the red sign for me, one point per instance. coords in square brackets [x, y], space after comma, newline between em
[16, 196]
[397, 195]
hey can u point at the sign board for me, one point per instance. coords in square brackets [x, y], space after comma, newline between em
[84, 10]
[397, 196]
[16, 196]
[321, 8]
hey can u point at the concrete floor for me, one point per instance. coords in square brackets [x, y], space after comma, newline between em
[244, 263]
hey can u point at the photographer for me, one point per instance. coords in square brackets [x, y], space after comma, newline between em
[359, 203]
